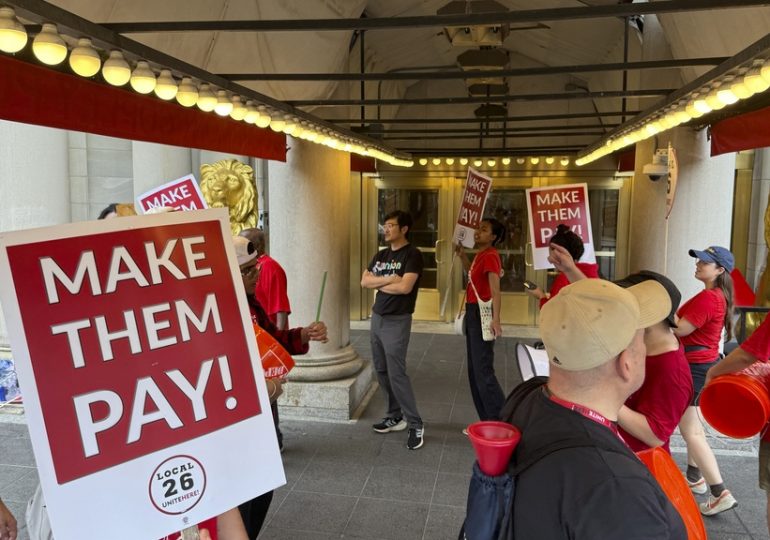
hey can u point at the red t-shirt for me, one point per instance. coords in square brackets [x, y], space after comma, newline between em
[270, 289]
[705, 311]
[485, 262]
[758, 343]
[590, 270]
[210, 524]
[663, 398]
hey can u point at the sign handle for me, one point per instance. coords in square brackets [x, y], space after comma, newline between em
[321, 297]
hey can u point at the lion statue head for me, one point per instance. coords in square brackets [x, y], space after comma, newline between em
[230, 183]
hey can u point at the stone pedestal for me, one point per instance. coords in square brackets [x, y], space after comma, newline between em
[309, 234]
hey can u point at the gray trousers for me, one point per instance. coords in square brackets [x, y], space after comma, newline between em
[389, 336]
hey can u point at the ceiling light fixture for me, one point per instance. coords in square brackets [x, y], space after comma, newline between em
[48, 46]
[116, 70]
[84, 59]
[13, 36]
[142, 78]
[166, 88]
[187, 93]
[207, 100]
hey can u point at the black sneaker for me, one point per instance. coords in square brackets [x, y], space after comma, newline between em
[390, 424]
[415, 438]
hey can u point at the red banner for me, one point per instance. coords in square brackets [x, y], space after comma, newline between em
[135, 339]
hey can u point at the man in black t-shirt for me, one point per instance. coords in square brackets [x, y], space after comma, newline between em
[395, 273]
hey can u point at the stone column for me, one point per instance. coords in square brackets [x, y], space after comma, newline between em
[701, 215]
[34, 182]
[156, 164]
[309, 200]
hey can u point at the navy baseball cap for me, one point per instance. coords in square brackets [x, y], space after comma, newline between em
[671, 289]
[716, 254]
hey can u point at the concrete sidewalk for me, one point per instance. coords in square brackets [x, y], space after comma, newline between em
[345, 481]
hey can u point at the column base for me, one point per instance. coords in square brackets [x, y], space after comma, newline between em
[339, 400]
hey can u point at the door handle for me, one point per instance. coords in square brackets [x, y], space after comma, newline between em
[528, 250]
[435, 246]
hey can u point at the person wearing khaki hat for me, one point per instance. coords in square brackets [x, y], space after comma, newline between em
[592, 485]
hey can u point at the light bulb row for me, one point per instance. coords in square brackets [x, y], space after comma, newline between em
[492, 162]
[85, 60]
[732, 88]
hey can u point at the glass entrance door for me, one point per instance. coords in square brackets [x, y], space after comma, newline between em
[428, 233]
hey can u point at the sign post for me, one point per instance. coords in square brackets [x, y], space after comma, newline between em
[145, 398]
[550, 206]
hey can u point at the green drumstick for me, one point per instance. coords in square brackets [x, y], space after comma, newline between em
[321, 298]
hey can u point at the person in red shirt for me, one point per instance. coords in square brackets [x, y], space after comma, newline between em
[570, 241]
[755, 349]
[699, 326]
[484, 279]
[651, 414]
[271, 288]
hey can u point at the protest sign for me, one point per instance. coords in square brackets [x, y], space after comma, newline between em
[673, 175]
[477, 188]
[550, 206]
[183, 194]
[145, 398]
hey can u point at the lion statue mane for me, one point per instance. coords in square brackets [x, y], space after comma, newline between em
[230, 183]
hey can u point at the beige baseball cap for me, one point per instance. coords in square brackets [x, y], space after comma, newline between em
[592, 320]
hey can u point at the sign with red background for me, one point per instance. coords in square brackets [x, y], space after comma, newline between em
[551, 206]
[477, 187]
[183, 194]
[175, 345]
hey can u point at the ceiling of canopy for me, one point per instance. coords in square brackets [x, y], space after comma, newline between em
[544, 109]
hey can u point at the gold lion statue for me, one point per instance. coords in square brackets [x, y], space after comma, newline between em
[230, 183]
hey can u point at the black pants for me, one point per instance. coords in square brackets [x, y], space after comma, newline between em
[487, 394]
[253, 513]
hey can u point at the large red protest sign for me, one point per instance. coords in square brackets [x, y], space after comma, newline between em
[477, 187]
[551, 206]
[183, 194]
[135, 339]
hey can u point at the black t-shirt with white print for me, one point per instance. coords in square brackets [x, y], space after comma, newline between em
[386, 262]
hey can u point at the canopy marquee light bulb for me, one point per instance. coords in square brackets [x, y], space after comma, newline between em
[491, 162]
[187, 93]
[436, 161]
[264, 118]
[753, 79]
[143, 79]
[423, 161]
[13, 35]
[166, 88]
[520, 160]
[251, 113]
[450, 161]
[48, 46]
[564, 161]
[239, 110]
[477, 163]
[534, 160]
[740, 89]
[84, 59]
[463, 161]
[550, 160]
[115, 70]
[506, 161]
[207, 100]
[276, 124]
[224, 106]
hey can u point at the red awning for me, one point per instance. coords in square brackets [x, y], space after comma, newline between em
[36, 95]
[743, 132]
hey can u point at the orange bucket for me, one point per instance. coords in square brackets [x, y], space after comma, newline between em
[494, 443]
[738, 405]
[673, 484]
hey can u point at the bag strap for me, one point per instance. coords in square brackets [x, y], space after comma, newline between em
[556, 446]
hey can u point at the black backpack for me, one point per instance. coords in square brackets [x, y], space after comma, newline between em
[489, 510]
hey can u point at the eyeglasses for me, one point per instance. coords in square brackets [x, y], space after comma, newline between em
[248, 270]
[390, 226]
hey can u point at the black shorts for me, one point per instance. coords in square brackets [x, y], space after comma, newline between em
[698, 372]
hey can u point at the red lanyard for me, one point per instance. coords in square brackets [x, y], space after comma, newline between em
[588, 413]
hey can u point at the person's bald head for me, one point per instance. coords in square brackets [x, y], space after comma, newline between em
[256, 237]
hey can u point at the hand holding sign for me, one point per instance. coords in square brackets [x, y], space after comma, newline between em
[315, 332]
